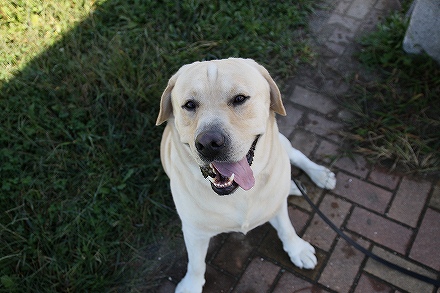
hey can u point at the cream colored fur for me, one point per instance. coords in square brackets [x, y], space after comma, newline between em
[212, 84]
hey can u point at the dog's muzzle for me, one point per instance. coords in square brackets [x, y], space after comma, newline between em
[226, 177]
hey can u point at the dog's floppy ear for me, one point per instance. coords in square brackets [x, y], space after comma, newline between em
[166, 107]
[276, 104]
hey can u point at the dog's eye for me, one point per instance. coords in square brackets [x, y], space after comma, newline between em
[238, 100]
[190, 105]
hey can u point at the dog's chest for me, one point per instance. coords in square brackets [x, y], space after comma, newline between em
[243, 212]
[254, 216]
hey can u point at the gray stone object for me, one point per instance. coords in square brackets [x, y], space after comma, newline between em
[423, 33]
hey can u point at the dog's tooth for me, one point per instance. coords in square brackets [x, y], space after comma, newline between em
[231, 179]
[212, 180]
[212, 172]
[222, 185]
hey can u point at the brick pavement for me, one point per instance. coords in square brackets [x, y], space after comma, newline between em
[393, 215]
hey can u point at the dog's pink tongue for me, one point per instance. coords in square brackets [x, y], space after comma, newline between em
[243, 172]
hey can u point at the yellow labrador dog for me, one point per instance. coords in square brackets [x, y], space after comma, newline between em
[228, 164]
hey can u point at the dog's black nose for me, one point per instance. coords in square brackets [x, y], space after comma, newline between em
[210, 143]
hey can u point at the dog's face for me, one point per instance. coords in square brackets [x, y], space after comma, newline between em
[220, 109]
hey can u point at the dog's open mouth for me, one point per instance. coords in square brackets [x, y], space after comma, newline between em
[226, 177]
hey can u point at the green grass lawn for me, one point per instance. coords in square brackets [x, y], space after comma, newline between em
[82, 191]
[397, 115]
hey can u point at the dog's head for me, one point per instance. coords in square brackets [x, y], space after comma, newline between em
[220, 109]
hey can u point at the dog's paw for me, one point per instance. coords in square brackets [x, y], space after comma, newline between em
[190, 285]
[302, 254]
[323, 177]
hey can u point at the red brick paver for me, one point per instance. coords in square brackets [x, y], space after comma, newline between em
[362, 193]
[396, 278]
[291, 283]
[428, 238]
[383, 177]
[355, 164]
[312, 100]
[391, 214]
[322, 126]
[343, 266]
[318, 232]
[370, 284]
[258, 277]
[380, 230]
[409, 201]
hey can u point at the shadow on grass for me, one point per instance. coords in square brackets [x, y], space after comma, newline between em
[82, 188]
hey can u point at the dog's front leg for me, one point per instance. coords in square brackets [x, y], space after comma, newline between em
[197, 246]
[322, 176]
[301, 253]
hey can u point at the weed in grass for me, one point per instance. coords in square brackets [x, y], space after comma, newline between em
[82, 189]
[397, 117]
